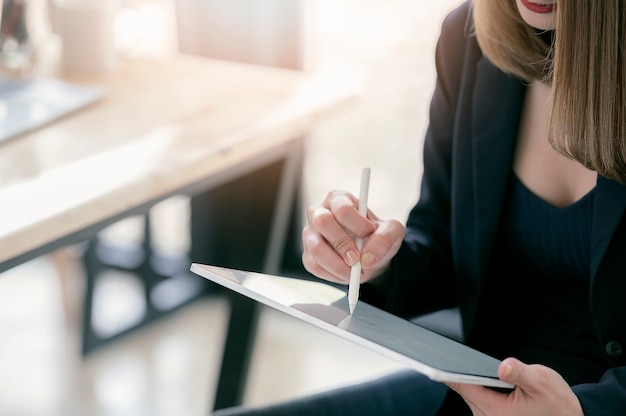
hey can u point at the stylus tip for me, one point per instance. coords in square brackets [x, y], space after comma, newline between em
[345, 322]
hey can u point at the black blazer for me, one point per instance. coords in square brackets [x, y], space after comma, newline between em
[468, 153]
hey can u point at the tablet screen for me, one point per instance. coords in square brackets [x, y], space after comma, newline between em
[326, 306]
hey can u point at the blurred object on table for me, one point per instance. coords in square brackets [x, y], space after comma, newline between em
[28, 47]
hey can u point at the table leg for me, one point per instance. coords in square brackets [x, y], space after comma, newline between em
[238, 348]
[234, 247]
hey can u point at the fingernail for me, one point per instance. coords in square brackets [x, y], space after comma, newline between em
[508, 370]
[351, 257]
[368, 260]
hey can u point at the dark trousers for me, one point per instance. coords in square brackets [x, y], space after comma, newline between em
[398, 394]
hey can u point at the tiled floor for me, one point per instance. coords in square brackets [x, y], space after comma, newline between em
[170, 367]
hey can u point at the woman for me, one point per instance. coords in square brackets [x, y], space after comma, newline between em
[519, 221]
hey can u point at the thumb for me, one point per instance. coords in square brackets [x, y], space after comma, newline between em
[515, 372]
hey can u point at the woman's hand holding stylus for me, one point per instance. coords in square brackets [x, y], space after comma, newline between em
[329, 239]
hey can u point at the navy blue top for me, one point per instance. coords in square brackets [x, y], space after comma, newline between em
[540, 279]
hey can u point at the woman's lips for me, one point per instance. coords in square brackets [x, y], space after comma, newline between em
[539, 7]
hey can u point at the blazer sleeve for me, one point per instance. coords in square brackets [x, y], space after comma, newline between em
[607, 397]
[422, 271]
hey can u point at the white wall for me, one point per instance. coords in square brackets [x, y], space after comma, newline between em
[260, 31]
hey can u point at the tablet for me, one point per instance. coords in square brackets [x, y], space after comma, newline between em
[326, 306]
[27, 104]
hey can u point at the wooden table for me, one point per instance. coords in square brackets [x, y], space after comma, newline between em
[166, 127]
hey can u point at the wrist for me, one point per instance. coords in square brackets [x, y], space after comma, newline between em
[576, 409]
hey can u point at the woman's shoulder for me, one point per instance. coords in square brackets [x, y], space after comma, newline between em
[457, 48]
[457, 24]
[460, 15]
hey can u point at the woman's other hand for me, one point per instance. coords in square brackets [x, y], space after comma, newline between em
[539, 391]
[329, 239]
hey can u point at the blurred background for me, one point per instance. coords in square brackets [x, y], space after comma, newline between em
[170, 367]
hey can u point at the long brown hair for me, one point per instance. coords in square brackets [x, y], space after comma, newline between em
[585, 65]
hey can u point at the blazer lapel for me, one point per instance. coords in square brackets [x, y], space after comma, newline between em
[497, 107]
[609, 206]
[495, 112]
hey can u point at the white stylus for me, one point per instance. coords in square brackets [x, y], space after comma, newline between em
[355, 271]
